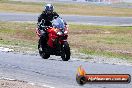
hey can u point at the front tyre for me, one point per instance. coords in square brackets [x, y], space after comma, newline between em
[41, 52]
[45, 56]
[65, 52]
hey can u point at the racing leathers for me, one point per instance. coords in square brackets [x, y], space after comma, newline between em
[46, 19]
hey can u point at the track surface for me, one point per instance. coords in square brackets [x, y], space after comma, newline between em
[54, 72]
[93, 20]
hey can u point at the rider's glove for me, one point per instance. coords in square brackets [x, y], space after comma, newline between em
[38, 24]
[42, 31]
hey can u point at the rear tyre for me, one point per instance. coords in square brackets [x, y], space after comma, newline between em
[65, 52]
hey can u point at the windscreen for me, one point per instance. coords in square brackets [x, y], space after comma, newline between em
[58, 23]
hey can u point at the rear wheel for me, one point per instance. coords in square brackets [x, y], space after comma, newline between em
[65, 52]
[41, 52]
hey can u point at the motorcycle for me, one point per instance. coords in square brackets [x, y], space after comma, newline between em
[57, 40]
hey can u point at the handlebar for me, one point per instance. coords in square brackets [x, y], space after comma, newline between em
[45, 27]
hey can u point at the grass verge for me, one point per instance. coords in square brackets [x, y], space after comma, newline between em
[19, 36]
[102, 40]
[62, 8]
[95, 40]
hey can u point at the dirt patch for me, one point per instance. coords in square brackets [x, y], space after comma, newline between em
[96, 31]
[16, 84]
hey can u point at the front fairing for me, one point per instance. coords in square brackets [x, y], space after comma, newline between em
[58, 32]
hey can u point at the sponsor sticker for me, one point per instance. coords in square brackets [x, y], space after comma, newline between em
[82, 77]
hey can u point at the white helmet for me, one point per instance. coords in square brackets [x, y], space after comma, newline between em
[48, 8]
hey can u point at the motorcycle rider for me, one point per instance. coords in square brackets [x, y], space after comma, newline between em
[48, 15]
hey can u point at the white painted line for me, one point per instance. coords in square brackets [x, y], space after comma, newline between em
[48, 86]
[2, 49]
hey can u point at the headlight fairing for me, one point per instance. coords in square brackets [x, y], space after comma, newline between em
[66, 32]
[59, 33]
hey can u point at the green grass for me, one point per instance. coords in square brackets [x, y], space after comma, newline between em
[18, 35]
[62, 8]
[16, 42]
[107, 41]
[106, 53]
[102, 40]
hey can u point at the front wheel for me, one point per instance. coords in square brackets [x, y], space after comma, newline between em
[45, 56]
[65, 52]
[41, 53]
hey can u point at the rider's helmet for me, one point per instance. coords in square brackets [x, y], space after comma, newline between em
[48, 8]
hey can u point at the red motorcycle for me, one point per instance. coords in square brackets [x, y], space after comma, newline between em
[57, 41]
